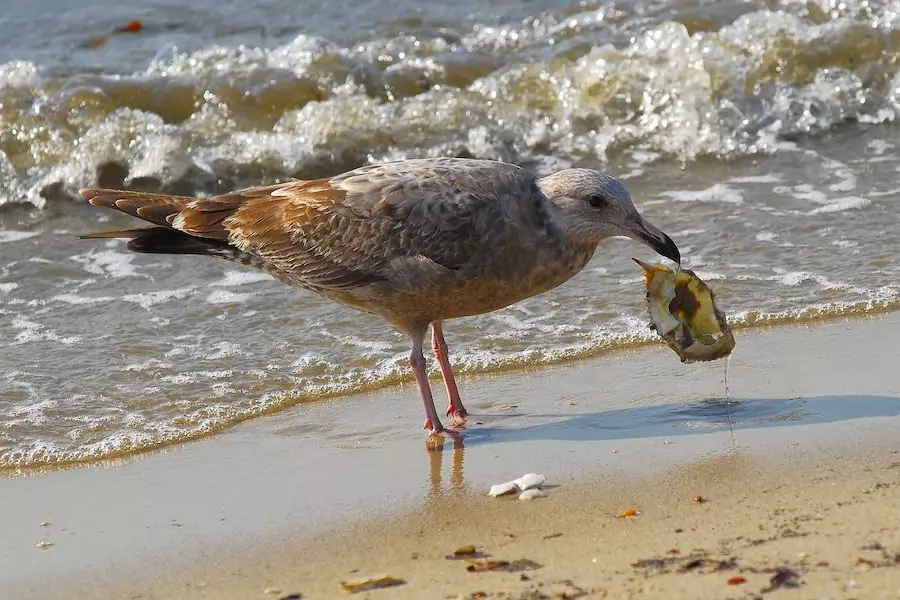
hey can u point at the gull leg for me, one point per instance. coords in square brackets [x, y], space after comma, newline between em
[417, 362]
[455, 408]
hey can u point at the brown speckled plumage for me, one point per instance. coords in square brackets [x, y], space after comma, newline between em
[415, 242]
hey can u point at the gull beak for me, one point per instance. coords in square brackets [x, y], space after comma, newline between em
[644, 232]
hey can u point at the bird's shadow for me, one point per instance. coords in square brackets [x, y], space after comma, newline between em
[667, 420]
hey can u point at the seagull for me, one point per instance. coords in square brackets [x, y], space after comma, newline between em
[415, 242]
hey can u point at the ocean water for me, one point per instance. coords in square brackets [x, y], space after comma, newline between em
[761, 136]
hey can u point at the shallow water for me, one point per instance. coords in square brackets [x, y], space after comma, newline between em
[760, 136]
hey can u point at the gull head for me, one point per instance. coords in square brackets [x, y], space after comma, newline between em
[598, 206]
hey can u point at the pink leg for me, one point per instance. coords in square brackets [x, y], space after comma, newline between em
[417, 362]
[455, 409]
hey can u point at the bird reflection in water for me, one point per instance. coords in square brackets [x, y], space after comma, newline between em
[435, 450]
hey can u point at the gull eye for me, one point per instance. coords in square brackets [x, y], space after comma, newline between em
[597, 201]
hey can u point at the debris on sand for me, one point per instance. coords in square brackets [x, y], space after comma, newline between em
[783, 578]
[371, 583]
[528, 481]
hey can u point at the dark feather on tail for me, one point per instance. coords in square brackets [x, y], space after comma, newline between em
[162, 240]
[169, 241]
[160, 210]
[200, 230]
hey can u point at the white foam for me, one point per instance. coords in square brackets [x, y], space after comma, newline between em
[16, 236]
[150, 363]
[107, 262]
[847, 183]
[770, 178]
[225, 349]
[841, 204]
[716, 193]
[227, 297]
[8, 287]
[879, 146]
[310, 359]
[29, 331]
[33, 413]
[517, 326]
[233, 278]
[148, 299]
[766, 236]
[221, 388]
[195, 376]
[34, 452]
[807, 191]
[890, 192]
[19, 74]
[378, 345]
[215, 374]
[795, 278]
[709, 275]
[177, 351]
[80, 300]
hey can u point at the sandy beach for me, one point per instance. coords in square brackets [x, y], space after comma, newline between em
[798, 477]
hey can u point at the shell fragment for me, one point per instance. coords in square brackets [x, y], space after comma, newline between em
[531, 494]
[683, 312]
[503, 488]
[529, 480]
[525, 483]
[370, 583]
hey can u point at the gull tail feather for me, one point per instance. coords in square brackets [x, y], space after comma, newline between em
[180, 225]
[162, 240]
[120, 233]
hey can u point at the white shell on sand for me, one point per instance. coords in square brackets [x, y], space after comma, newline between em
[531, 494]
[529, 480]
[503, 488]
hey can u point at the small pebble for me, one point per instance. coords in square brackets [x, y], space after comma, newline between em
[531, 494]
[272, 591]
[45, 523]
[43, 545]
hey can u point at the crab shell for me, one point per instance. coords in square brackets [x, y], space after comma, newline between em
[683, 312]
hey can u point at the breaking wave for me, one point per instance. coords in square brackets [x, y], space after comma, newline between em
[585, 84]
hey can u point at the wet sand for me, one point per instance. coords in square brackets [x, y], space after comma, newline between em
[799, 474]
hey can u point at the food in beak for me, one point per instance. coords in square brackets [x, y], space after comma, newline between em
[683, 312]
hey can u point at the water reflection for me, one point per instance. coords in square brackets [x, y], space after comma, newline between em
[435, 450]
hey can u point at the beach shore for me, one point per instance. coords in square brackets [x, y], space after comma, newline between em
[798, 474]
